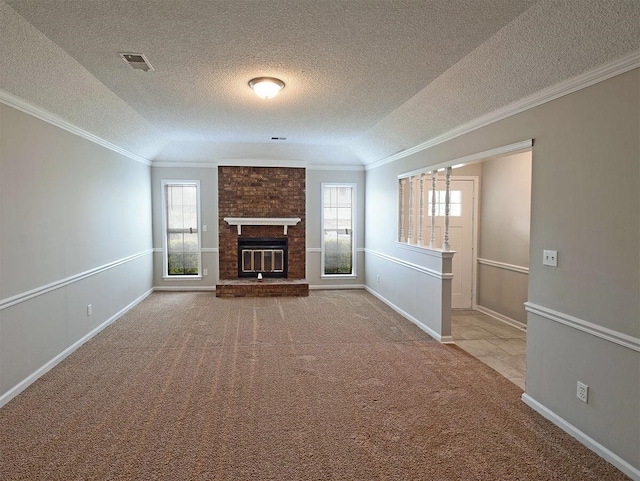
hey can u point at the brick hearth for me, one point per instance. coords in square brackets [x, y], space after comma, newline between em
[261, 192]
[264, 288]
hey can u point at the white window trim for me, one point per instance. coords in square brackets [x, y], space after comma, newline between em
[165, 260]
[354, 223]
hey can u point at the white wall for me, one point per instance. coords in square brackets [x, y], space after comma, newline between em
[585, 202]
[208, 177]
[315, 178]
[75, 229]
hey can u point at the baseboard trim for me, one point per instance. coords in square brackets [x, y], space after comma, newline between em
[589, 442]
[502, 318]
[326, 287]
[406, 315]
[25, 383]
[183, 288]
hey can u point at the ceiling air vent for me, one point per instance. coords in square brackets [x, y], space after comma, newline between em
[137, 61]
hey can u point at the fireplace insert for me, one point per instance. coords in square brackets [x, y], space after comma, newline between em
[262, 255]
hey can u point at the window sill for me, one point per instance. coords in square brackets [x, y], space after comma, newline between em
[182, 278]
[338, 276]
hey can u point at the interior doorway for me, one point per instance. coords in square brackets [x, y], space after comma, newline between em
[494, 330]
[462, 234]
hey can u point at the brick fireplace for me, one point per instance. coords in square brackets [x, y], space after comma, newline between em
[264, 195]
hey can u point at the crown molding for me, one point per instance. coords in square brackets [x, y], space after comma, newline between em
[258, 163]
[584, 80]
[196, 165]
[28, 108]
[262, 163]
[335, 168]
[510, 149]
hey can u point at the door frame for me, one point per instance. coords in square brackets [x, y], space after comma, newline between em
[474, 233]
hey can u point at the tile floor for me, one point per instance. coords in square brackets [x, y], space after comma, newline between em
[495, 343]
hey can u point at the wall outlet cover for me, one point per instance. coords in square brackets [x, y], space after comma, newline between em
[550, 258]
[582, 392]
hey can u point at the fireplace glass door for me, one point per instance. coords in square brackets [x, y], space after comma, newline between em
[262, 260]
[266, 256]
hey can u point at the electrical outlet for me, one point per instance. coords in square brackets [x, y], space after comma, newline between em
[205, 272]
[204, 228]
[89, 309]
[583, 392]
[550, 258]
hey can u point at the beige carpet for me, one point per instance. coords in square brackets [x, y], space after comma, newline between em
[335, 386]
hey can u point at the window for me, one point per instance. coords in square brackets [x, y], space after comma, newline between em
[455, 203]
[181, 226]
[338, 221]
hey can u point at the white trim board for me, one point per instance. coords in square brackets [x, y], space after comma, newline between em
[330, 287]
[411, 265]
[213, 164]
[336, 168]
[591, 77]
[430, 251]
[204, 250]
[177, 164]
[607, 334]
[406, 315]
[25, 383]
[319, 249]
[287, 163]
[509, 149]
[183, 288]
[38, 291]
[503, 265]
[24, 106]
[501, 318]
[587, 441]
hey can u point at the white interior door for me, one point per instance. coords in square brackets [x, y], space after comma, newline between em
[461, 220]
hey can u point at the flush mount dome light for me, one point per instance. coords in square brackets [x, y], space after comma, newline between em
[266, 87]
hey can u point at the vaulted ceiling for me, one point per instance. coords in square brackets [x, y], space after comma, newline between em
[365, 79]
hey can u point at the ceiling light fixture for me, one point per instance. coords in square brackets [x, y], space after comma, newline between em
[266, 87]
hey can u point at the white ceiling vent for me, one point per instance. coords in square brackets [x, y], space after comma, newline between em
[137, 61]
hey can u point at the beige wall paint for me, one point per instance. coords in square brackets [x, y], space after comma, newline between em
[505, 218]
[506, 209]
[585, 202]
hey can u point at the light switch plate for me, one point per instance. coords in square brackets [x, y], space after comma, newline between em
[550, 258]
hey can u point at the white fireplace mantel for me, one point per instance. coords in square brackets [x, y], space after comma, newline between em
[285, 222]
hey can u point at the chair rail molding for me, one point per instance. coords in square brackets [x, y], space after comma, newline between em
[616, 337]
[38, 291]
[416, 267]
[503, 265]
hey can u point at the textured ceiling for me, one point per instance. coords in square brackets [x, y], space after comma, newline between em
[364, 78]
